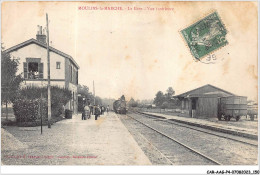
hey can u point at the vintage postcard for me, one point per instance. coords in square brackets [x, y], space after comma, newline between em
[130, 83]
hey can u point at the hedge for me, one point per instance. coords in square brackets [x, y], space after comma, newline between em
[28, 110]
[26, 105]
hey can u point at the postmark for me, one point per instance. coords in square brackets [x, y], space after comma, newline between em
[205, 36]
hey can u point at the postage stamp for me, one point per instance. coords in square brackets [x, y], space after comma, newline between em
[205, 36]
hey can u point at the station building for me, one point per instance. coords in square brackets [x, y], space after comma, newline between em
[202, 102]
[32, 56]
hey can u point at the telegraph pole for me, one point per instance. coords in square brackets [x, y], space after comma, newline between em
[94, 93]
[49, 83]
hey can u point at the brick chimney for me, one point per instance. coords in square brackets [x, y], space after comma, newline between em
[41, 35]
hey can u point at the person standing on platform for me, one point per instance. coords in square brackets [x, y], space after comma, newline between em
[102, 110]
[91, 110]
[97, 112]
[107, 109]
[87, 112]
[83, 117]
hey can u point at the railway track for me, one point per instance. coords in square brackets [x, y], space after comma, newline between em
[226, 136]
[180, 150]
[202, 158]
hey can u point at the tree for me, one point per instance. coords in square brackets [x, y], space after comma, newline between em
[89, 97]
[122, 97]
[172, 102]
[165, 105]
[108, 101]
[170, 92]
[159, 99]
[132, 103]
[10, 82]
[98, 100]
[83, 90]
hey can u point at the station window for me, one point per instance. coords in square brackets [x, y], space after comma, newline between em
[57, 65]
[33, 70]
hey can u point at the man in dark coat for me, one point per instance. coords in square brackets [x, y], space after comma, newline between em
[97, 112]
[91, 110]
[83, 115]
[107, 109]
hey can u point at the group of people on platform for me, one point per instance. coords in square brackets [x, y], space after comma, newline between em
[94, 110]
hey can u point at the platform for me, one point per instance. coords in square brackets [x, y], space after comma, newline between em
[105, 141]
[221, 126]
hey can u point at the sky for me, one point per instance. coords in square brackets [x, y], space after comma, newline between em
[139, 52]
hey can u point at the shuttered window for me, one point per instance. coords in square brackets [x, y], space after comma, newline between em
[33, 68]
[25, 70]
[41, 70]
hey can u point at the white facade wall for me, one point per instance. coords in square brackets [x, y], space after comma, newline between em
[35, 51]
[57, 76]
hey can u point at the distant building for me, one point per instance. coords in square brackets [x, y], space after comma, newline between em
[32, 56]
[202, 102]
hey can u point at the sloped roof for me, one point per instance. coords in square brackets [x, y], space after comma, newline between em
[215, 92]
[32, 40]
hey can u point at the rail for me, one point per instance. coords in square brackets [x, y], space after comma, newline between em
[203, 131]
[182, 144]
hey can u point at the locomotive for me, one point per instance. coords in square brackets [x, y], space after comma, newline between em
[119, 106]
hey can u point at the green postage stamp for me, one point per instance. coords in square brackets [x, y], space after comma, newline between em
[205, 36]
